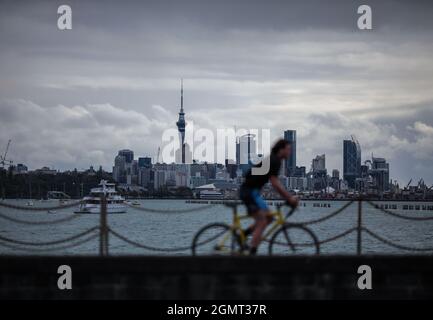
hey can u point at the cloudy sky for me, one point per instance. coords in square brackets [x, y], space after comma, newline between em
[73, 98]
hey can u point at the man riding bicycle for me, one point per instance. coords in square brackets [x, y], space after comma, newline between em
[250, 192]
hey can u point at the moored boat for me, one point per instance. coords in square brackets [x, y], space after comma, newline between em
[92, 202]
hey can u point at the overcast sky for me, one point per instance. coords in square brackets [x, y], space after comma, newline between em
[71, 99]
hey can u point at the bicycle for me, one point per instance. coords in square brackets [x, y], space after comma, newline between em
[231, 239]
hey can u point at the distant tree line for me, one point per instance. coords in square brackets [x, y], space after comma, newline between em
[33, 185]
[36, 185]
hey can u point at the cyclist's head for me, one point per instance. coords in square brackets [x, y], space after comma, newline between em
[281, 149]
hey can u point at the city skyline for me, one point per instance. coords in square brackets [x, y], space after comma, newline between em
[246, 150]
[74, 98]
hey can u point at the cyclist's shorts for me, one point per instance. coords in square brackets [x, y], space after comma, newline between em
[252, 200]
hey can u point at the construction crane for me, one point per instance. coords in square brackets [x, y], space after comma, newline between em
[421, 183]
[408, 184]
[3, 160]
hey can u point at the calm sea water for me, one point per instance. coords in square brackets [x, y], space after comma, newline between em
[177, 229]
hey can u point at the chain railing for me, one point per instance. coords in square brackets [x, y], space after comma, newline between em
[104, 230]
[27, 209]
[32, 208]
[45, 246]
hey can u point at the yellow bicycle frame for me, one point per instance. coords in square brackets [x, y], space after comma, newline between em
[279, 220]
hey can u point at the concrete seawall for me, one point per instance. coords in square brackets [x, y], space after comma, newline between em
[323, 277]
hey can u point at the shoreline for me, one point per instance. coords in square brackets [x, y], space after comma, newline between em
[194, 200]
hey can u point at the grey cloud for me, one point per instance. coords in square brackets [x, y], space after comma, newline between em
[113, 81]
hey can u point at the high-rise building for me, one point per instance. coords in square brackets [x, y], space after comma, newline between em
[238, 152]
[145, 162]
[159, 179]
[335, 180]
[380, 173]
[300, 172]
[319, 163]
[351, 161]
[119, 170]
[144, 177]
[247, 151]
[319, 172]
[335, 174]
[290, 136]
[181, 124]
[128, 154]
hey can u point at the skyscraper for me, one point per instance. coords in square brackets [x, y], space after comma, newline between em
[144, 162]
[351, 161]
[247, 151]
[119, 169]
[128, 154]
[319, 163]
[290, 136]
[380, 173]
[181, 123]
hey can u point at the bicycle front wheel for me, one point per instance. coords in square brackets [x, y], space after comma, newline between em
[294, 240]
[215, 239]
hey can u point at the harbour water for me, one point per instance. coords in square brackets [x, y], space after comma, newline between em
[168, 230]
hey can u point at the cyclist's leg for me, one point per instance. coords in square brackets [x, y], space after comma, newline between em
[247, 198]
[250, 229]
[260, 226]
[262, 218]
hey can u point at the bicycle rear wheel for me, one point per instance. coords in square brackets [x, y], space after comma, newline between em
[294, 240]
[215, 239]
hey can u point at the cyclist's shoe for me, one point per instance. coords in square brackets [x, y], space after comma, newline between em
[248, 231]
[252, 251]
[246, 248]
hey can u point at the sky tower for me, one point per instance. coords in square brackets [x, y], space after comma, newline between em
[181, 123]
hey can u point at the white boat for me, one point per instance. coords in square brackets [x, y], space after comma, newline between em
[211, 195]
[92, 202]
[133, 203]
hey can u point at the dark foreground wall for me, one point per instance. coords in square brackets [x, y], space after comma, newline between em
[324, 277]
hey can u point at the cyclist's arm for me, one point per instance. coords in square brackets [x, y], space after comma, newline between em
[293, 201]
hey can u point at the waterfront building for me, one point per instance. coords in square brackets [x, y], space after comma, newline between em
[319, 163]
[335, 174]
[335, 180]
[159, 180]
[380, 174]
[181, 179]
[231, 168]
[238, 152]
[247, 151]
[46, 170]
[145, 162]
[145, 177]
[351, 161]
[300, 172]
[319, 173]
[290, 163]
[20, 169]
[197, 181]
[127, 154]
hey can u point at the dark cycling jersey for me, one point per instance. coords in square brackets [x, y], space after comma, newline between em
[258, 181]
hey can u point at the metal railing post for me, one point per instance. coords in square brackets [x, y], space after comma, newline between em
[359, 228]
[103, 241]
